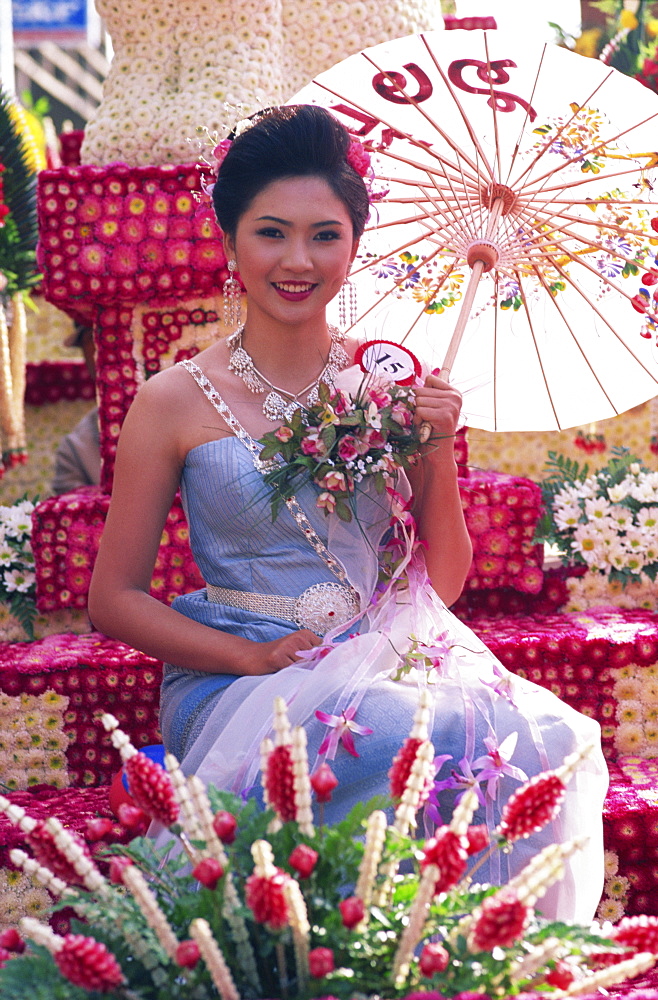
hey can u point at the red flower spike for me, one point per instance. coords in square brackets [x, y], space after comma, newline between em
[87, 963]
[225, 825]
[478, 838]
[531, 807]
[352, 911]
[561, 976]
[640, 933]
[11, 940]
[46, 852]
[151, 788]
[320, 962]
[208, 872]
[433, 958]
[323, 782]
[279, 782]
[401, 768]
[449, 851]
[303, 859]
[118, 863]
[133, 818]
[188, 954]
[98, 828]
[265, 897]
[502, 920]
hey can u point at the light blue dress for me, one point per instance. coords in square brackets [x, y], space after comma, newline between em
[214, 723]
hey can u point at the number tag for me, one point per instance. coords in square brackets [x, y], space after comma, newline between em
[388, 360]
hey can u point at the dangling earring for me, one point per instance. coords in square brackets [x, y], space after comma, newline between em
[347, 307]
[232, 297]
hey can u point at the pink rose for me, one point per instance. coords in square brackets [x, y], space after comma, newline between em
[326, 501]
[284, 434]
[358, 157]
[401, 415]
[373, 438]
[335, 481]
[379, 397]
[347, 449]
[312, 444]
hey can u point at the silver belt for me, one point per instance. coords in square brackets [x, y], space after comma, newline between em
[319, 608]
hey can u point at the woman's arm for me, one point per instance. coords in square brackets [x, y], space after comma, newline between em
[147, 475]
[437, 504]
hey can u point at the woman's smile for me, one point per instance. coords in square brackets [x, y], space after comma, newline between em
[294, 291]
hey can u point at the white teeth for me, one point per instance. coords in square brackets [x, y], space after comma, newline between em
[293, 288]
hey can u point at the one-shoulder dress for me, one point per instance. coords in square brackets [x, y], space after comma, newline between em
[266, 571]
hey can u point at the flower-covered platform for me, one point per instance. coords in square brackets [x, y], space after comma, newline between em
[604, 663]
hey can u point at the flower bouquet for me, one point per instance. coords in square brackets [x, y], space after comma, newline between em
[605, 521]
[362, 428]
[245, 902]
[17, 577]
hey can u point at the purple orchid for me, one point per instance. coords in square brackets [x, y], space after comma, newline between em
[463, 780]
[495, 764]
[341, 729]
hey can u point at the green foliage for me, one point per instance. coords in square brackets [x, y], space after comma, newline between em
[18, 235]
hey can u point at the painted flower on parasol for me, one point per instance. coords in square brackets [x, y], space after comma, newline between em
[517, 240]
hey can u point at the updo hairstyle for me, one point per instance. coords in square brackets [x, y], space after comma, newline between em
[297, 141]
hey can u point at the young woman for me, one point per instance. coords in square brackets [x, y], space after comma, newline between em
[292, 210]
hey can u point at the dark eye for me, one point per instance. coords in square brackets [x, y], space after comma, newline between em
[271, 231]
[328, 234]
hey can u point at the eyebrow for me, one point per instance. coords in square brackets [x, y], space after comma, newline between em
[285, 222]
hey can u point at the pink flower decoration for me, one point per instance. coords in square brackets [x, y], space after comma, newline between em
[220, 151]
[341, 726]
[92, 258]
[347, 449]
[358, 158]
[495, 764]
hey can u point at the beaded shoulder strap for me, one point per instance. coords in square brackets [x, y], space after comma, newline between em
[300, 518]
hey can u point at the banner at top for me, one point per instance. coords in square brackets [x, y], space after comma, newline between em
[49, 20]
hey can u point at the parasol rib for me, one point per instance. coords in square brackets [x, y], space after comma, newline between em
[517, 147]
[467, 124]
[557, 305]
[537, 351]
[574, 284]
[544, 149]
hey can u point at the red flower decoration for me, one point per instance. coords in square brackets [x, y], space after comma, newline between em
[448, 851]
[303, 859]
[266, 899]
[401, 769]
[433, 958]
[279, 783]
[151, 788]
[87, 963]
[640, 933]
[48, 854]
[208, 872]
[531, 807]
[323, 782]
[502, 919]
[478, 838]
[188, 954]
[352, 911]
[320, 962]
[225, 824]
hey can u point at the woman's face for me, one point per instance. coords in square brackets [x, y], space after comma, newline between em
[293, 246]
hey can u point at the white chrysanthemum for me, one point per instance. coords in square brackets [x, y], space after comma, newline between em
[597, 508]
[617, 493]
[622, 517]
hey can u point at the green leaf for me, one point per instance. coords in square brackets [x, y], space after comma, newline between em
[343, 510]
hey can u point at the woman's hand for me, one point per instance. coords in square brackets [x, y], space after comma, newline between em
[270, 657]
[438, 404]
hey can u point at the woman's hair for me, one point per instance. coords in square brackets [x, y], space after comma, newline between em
[297, 141]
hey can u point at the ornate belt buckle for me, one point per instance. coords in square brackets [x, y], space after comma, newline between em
[325, 605]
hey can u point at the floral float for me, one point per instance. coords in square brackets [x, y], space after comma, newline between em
[273, 903]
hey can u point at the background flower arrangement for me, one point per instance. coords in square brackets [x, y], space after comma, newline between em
[605, 521]
[17, 577]
[266, 904]
[364, 429]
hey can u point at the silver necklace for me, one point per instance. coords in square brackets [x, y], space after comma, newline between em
[280, 404]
